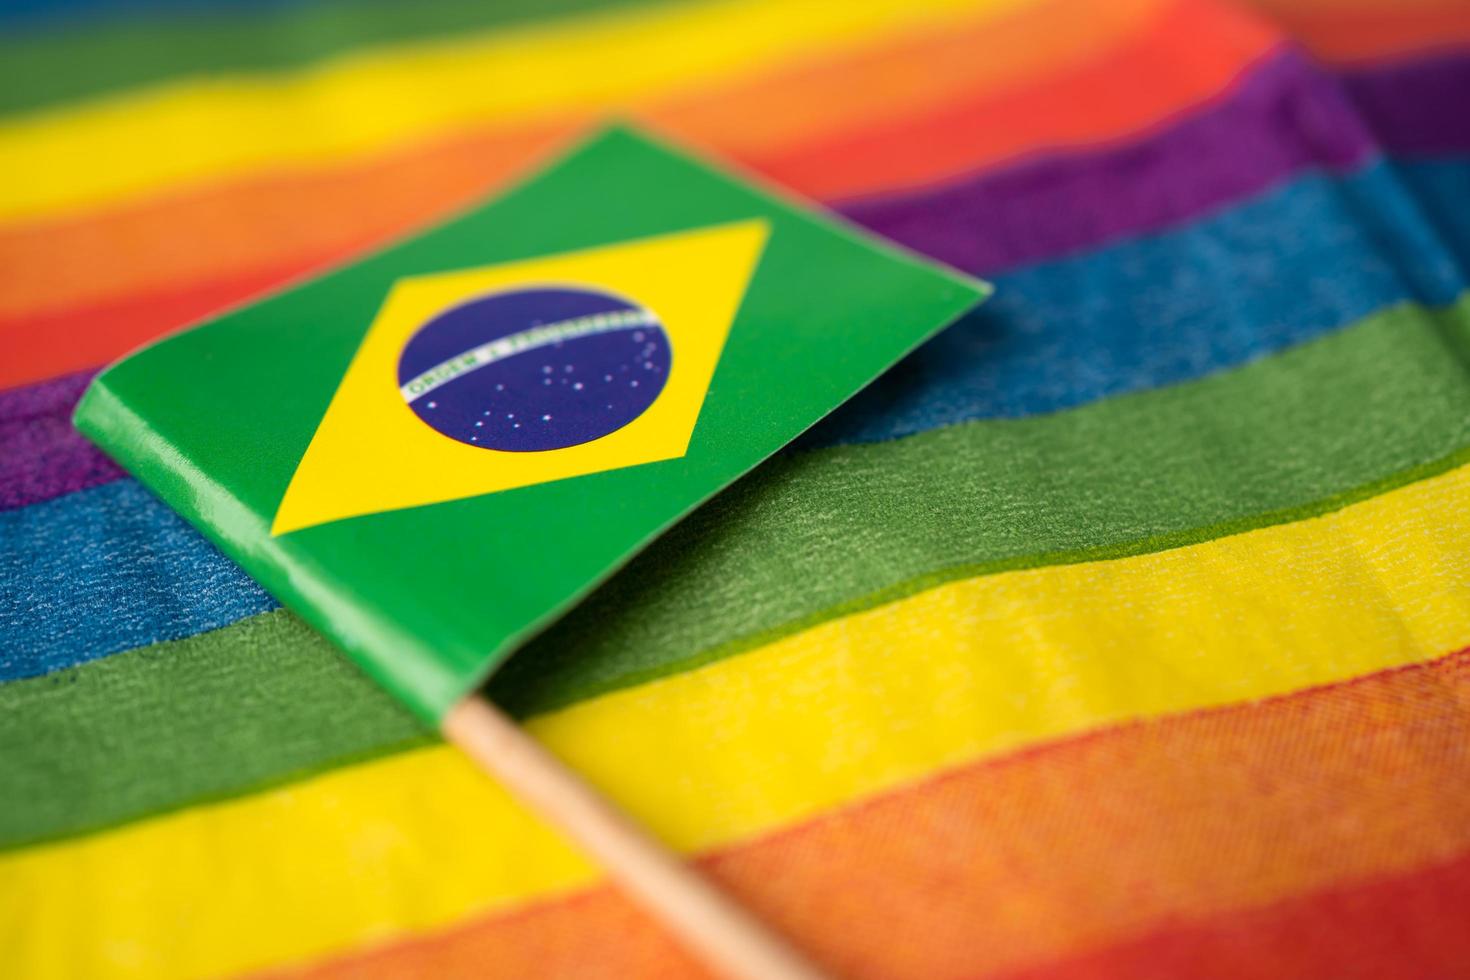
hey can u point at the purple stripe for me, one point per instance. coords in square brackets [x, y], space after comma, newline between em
[41, 455]
[1284, 115]
[1416, 107]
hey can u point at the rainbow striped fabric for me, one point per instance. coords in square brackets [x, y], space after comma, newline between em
[1122, 631]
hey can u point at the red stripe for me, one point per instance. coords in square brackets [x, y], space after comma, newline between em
[1342, 35]
[1401, 926]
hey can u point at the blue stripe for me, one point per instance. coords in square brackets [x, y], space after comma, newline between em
[1443, 190]
[1309, 256]
[111, 568]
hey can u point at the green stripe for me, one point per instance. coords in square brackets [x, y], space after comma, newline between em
[261, 702]
[1381, 404]
[41, 69]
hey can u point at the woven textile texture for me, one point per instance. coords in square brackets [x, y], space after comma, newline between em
[1123, 630]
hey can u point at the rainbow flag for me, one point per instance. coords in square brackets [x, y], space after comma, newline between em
[1121, 630]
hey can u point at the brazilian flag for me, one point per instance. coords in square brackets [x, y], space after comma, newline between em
[431, 453]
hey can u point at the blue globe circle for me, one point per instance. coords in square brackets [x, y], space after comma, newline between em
[530, 370]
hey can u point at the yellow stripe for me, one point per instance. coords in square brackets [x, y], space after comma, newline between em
[193, 131]
[746, 745]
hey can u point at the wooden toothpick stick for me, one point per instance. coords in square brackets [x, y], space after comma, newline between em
[705, 920]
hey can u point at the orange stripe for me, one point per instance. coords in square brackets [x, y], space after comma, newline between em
[271, 220]
[215, 232]
[808, 105]
[1057, 850]
[222, 238]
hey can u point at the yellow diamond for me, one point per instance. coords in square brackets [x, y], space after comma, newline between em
[371, 453]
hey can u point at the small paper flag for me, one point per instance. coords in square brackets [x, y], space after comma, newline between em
[431, 453]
